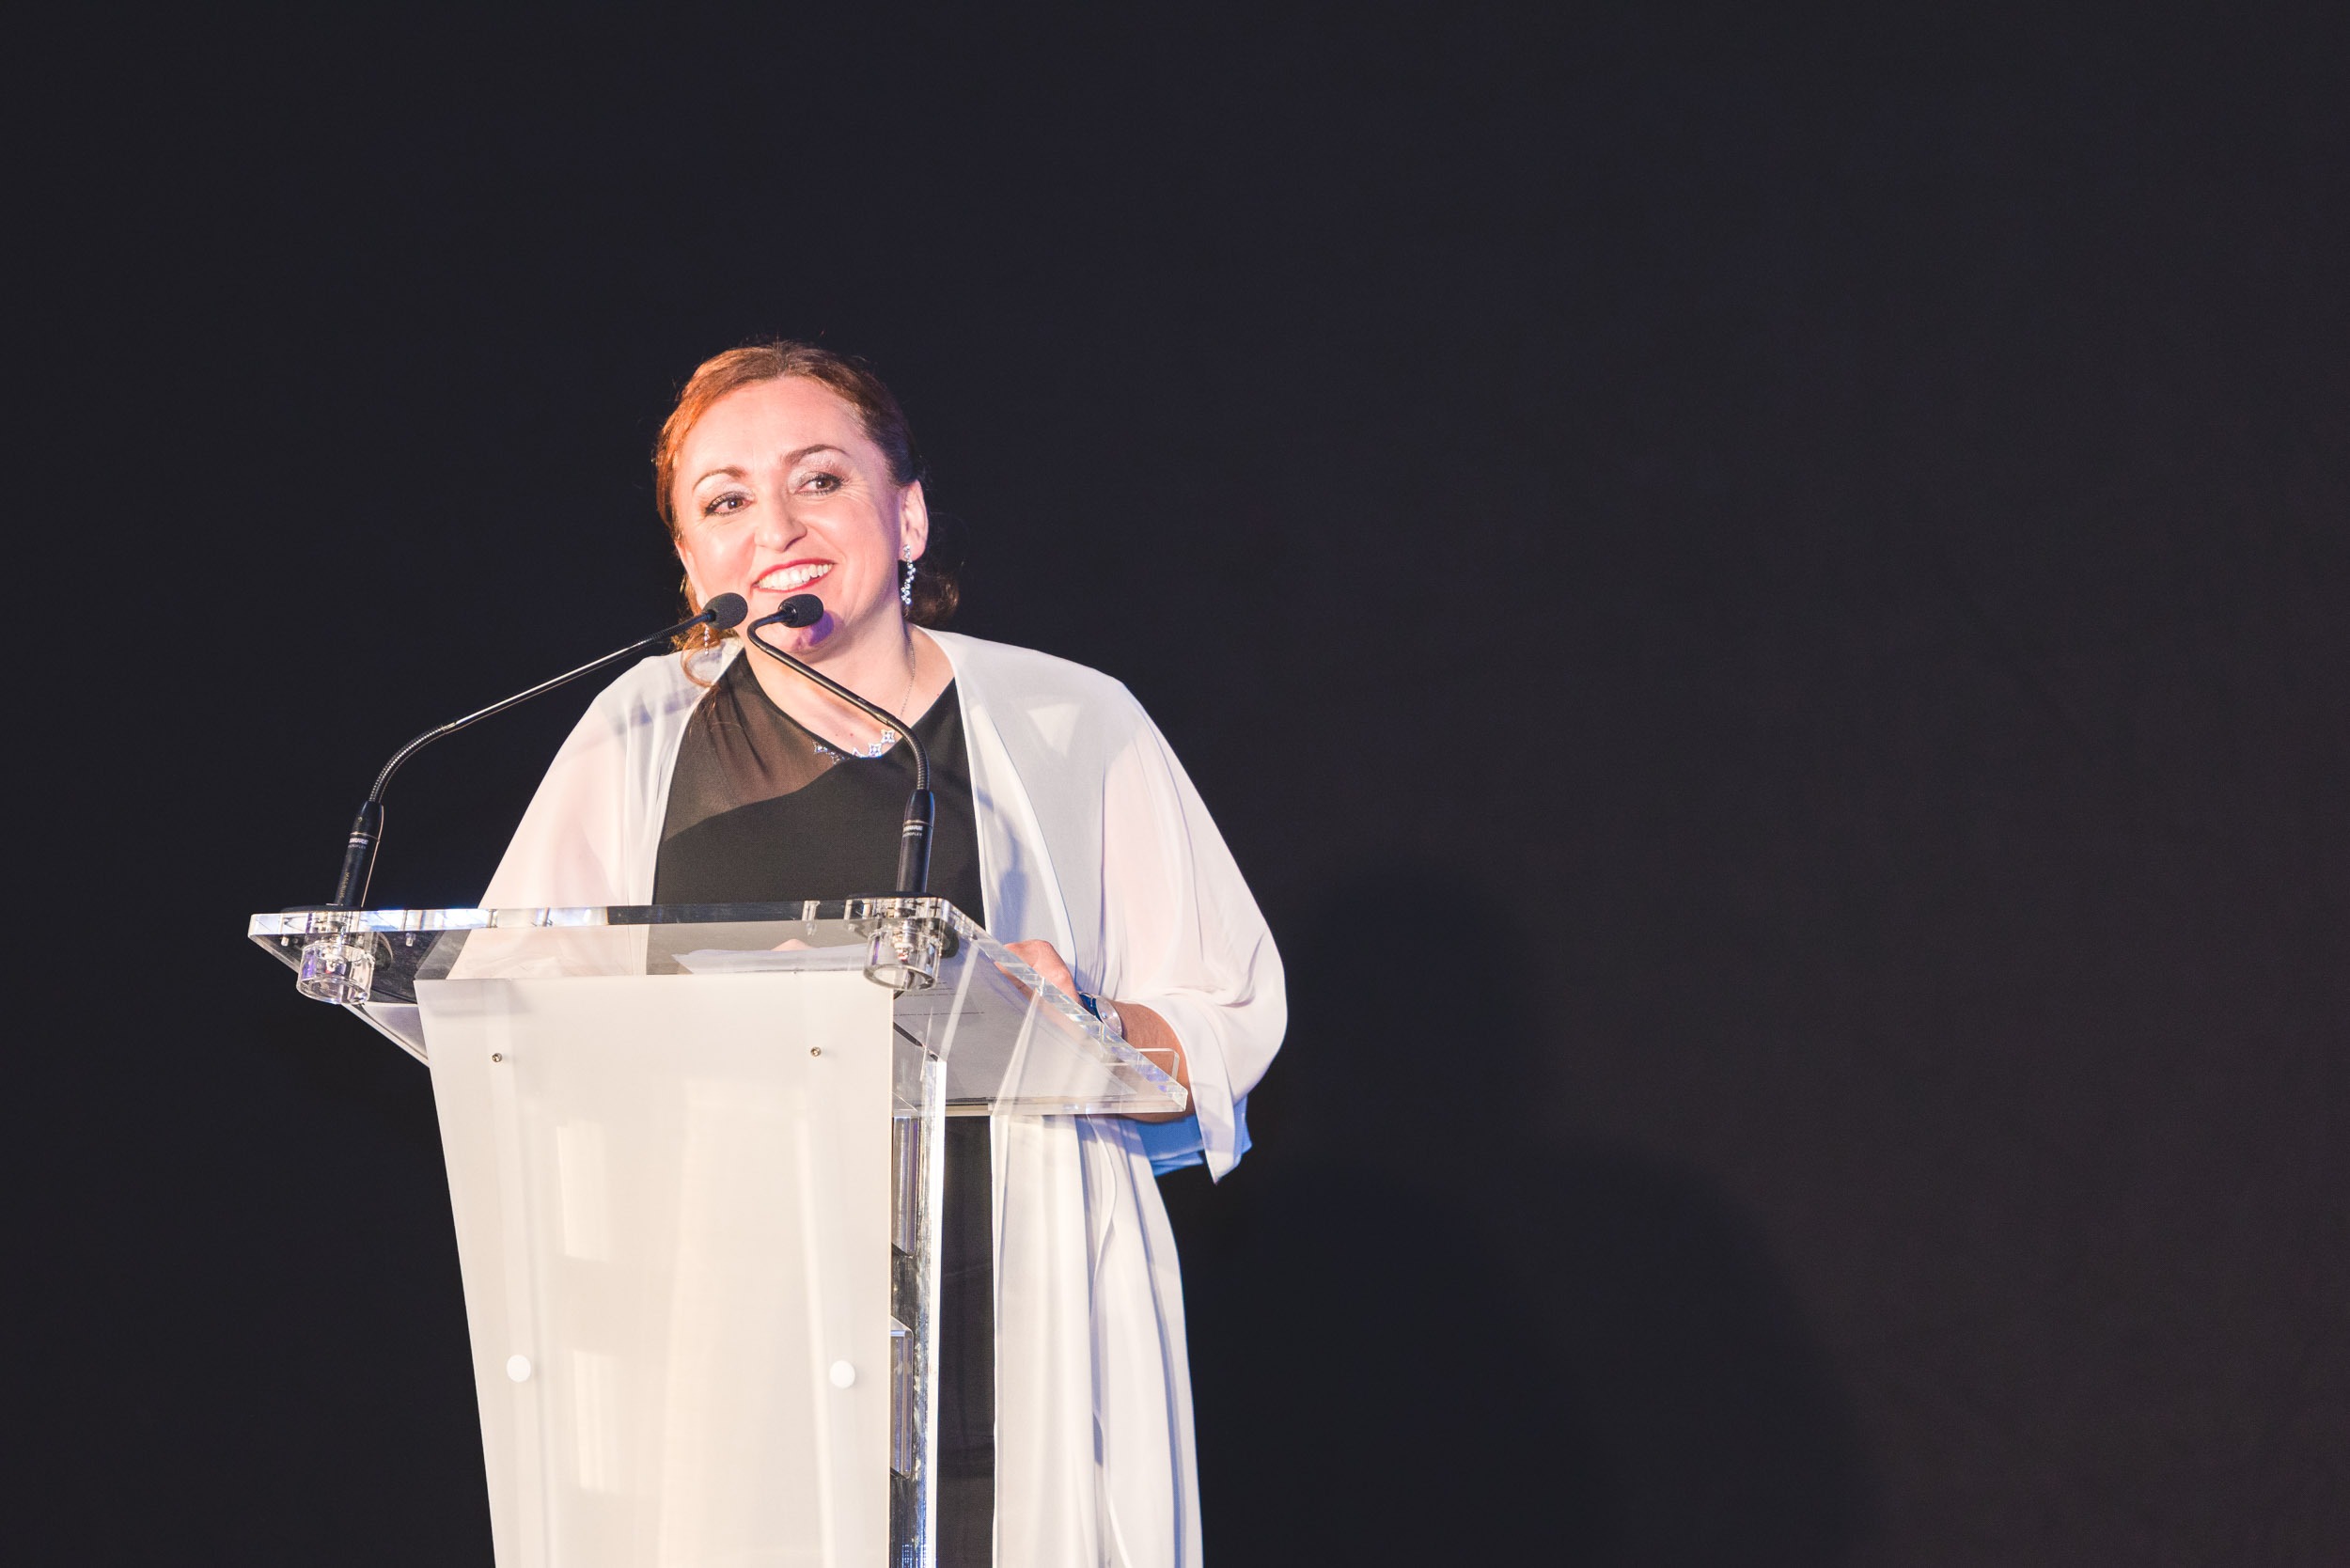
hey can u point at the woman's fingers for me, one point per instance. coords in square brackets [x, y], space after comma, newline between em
[1046, 961]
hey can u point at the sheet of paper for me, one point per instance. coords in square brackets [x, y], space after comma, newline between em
[769, 961]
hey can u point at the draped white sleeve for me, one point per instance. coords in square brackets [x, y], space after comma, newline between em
[1091, 837]
[592, 833]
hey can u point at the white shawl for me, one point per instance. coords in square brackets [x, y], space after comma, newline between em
[1092, 838]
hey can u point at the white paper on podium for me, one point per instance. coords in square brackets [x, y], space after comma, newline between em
[770, 961]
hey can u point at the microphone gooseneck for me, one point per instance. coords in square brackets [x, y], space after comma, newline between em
[367, 831]
[914, 836]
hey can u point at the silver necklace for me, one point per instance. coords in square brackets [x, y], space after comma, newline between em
[888, 737]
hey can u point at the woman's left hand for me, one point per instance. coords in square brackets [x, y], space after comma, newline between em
[1146, 1031]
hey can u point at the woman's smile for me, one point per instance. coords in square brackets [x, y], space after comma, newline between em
[789, 576]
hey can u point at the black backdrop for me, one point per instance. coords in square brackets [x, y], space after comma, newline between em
[1763, 606]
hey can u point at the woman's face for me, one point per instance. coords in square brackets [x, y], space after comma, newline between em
[779, 490]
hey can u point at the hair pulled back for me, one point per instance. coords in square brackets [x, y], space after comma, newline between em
[936, 592]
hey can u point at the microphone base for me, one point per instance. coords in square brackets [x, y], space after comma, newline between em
[906, 948]
[338, 967]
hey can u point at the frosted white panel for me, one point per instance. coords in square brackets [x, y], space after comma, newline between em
[673, 1206]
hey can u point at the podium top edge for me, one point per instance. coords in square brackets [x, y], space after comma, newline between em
[309, 922]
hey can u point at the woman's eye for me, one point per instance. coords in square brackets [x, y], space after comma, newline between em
[822, 483]
[726, 501]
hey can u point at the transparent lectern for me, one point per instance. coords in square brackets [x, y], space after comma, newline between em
[695, 1159]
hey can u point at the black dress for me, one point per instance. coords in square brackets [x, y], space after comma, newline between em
[760, 810]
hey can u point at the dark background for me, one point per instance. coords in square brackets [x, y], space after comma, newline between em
[1763, 604]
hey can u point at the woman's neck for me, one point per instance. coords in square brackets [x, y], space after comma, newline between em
[898, 668]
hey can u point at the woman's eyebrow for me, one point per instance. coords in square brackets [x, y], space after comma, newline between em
[732, 472]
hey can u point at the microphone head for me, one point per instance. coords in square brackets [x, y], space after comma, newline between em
[800, 609]
[727, 610]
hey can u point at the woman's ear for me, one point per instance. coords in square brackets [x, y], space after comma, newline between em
[914, 522]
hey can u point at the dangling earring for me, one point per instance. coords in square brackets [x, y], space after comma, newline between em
[905, 584]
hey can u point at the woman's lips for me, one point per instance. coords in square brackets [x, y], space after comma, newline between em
[791, 576]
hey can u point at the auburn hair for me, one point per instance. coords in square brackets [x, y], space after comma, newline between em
[936, 592]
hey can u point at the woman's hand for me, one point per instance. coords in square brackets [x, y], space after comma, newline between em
[1146, 1031]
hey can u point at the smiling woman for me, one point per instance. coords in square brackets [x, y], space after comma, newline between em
[1063, 820]
[934, 592]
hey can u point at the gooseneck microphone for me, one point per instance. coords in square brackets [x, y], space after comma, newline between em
[366, 832]
[914, 837]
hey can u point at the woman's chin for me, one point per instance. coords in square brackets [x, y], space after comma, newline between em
[801, 642]
[835, 630]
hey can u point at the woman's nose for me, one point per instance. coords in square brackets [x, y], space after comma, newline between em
[777, 528]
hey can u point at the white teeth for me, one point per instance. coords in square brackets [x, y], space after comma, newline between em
[793, 578]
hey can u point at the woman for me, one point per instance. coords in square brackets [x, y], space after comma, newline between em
[1064, 820]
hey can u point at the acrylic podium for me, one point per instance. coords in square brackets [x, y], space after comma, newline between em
[694, 1156]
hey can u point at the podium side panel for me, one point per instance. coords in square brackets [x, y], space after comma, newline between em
[673, 1212]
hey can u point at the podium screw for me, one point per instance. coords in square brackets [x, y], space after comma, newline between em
[497, 1056]
[815, 1050]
